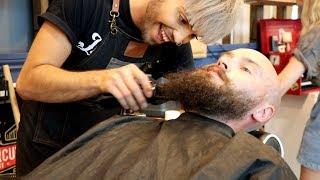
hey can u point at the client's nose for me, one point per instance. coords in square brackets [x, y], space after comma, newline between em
[223, 65]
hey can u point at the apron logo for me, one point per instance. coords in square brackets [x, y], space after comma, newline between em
[89, 50]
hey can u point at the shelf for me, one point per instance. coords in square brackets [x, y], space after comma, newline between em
[272, 2]
[199, 49]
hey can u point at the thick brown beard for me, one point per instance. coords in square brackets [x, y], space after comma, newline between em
[197, 93]
[149, 20]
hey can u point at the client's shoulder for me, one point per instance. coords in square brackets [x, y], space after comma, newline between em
[253, 147]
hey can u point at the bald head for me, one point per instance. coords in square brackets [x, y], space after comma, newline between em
[266, 79]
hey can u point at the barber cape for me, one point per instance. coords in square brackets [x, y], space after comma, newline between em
[190, 147]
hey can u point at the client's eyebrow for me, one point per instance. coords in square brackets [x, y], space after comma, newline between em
[227, 54]
[246, 59]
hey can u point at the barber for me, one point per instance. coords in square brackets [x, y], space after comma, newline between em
[92, 47]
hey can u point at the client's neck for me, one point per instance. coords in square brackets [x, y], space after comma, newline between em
[235, 124]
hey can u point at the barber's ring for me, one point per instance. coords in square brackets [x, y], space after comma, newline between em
[179, 44]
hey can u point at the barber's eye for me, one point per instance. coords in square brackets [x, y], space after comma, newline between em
[193, 36]
[246, 69]
[182, 20]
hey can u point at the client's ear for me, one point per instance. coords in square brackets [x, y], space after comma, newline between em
[263, 114]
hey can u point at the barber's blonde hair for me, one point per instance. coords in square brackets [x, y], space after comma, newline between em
[212, 19]
[310, 15]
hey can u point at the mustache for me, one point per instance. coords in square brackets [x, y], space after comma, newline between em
[217, 69]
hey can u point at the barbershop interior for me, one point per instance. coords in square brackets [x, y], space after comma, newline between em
[159, 89]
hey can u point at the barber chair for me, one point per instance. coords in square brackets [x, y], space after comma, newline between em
[269, 139]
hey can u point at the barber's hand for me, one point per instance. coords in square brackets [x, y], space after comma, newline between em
[129, 85]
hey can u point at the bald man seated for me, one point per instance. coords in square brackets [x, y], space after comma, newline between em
[221, 101]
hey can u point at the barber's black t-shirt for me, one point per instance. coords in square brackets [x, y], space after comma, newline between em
[87, 25]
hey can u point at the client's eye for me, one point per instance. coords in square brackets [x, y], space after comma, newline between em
[246, 69]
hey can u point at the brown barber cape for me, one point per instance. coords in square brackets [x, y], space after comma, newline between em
[191, 147]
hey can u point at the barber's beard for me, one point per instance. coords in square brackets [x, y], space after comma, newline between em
[149, 21]
[198, 93]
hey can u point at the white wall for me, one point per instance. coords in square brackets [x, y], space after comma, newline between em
[241, 31]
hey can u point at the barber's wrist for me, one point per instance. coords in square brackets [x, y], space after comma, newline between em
[103, 81]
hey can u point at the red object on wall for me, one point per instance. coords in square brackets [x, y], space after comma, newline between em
[278, 39]
[7, 157]
[8, 138]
